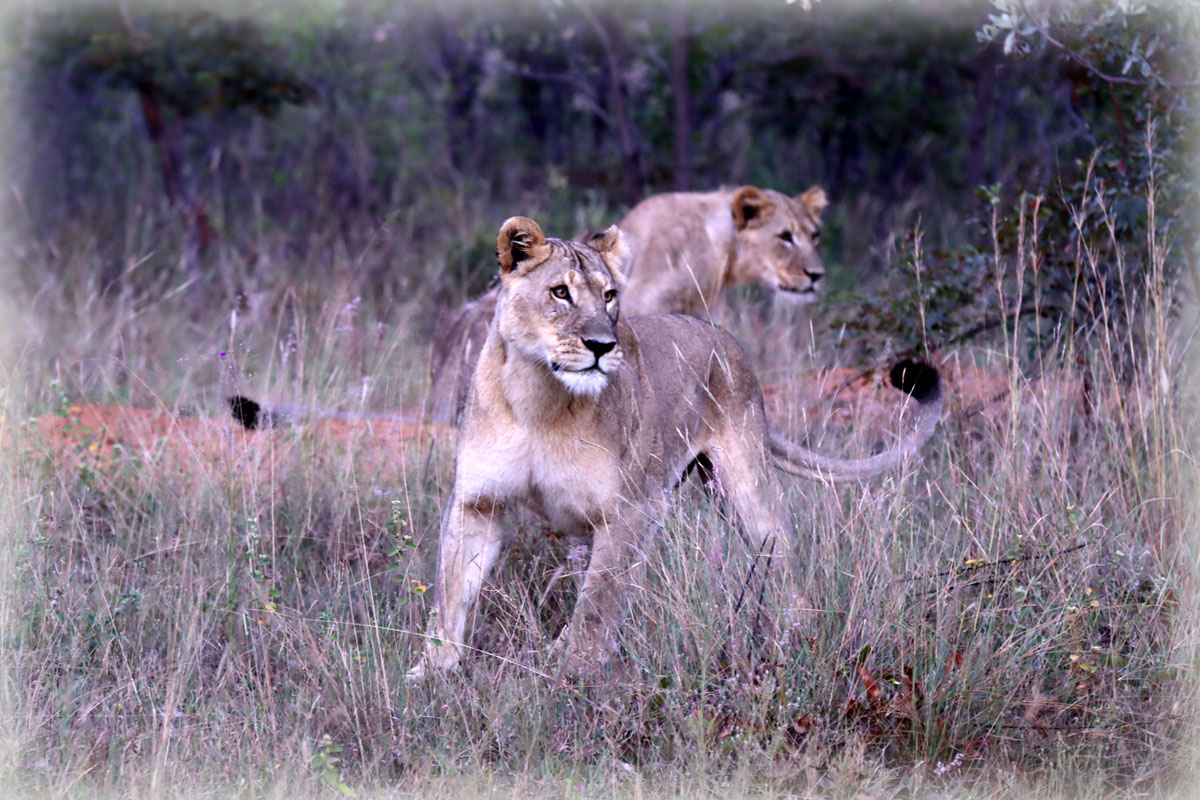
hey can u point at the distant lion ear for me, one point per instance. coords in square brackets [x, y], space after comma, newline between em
[750, 207]
[813, 200]
[613, 247]
[518, 240]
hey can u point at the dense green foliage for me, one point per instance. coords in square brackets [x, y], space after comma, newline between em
[899, 109]
[1131, 78]
[936, 118]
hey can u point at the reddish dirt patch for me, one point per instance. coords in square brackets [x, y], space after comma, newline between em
[973, 395]
[97, 434]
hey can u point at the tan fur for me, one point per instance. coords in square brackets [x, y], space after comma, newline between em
[588, 419]
[686, 248]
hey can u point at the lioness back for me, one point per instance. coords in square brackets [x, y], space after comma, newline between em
[453, 355]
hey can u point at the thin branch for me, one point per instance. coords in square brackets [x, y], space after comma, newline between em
[624, 125]
[1092, 68]
[580, 86]
[966, 569]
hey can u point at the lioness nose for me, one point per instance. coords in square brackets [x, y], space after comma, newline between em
[814, 276]
[599, 348]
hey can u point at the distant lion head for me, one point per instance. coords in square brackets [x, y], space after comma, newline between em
[561, 302]
[778, 239]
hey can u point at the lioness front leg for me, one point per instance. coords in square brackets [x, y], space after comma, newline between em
[467, 548]
[591, 637]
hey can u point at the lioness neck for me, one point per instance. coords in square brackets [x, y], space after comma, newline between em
[719, 228]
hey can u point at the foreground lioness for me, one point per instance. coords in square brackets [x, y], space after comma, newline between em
[685, 248]
[588, 419]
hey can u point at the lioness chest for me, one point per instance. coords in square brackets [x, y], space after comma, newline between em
[568, 478]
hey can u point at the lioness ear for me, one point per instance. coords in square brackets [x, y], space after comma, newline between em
[613, 247]
[813, 200]
[750, 207]
[518, 240]
[588, 236]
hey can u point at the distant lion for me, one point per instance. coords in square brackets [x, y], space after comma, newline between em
[686, 248]
[588, 419]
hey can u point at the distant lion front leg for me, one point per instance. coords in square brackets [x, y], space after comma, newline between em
[591, 637]
[467, 548]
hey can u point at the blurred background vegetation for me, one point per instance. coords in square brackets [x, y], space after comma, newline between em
[240, 131]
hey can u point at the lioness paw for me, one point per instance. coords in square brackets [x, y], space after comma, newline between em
[426, 669]
[418, 673]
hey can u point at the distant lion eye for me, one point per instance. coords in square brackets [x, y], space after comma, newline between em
[816, 237]
[561, 292]
[787, 237]
[610, 295]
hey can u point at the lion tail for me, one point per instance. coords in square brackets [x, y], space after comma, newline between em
[916, 379]
[254, 416]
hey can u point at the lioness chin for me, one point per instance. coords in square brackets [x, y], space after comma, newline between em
[588, 418]
[685, 250]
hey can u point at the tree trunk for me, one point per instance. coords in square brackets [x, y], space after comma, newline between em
[201, 233]
[977, 128]
[680, 85]
[630, 158]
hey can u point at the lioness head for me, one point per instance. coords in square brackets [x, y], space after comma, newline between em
[560, 302]
[778, 237]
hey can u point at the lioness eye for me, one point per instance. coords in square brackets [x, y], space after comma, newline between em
[561, 292]
[816, 237]
[786, 236]
[610, 295]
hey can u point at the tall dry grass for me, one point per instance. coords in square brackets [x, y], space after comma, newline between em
[1014, 615]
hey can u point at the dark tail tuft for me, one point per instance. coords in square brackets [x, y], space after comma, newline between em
[246, 411]
[918, 379]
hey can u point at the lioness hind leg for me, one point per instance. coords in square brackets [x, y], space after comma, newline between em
[742, 482]
[744, 485]
[470, 541]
